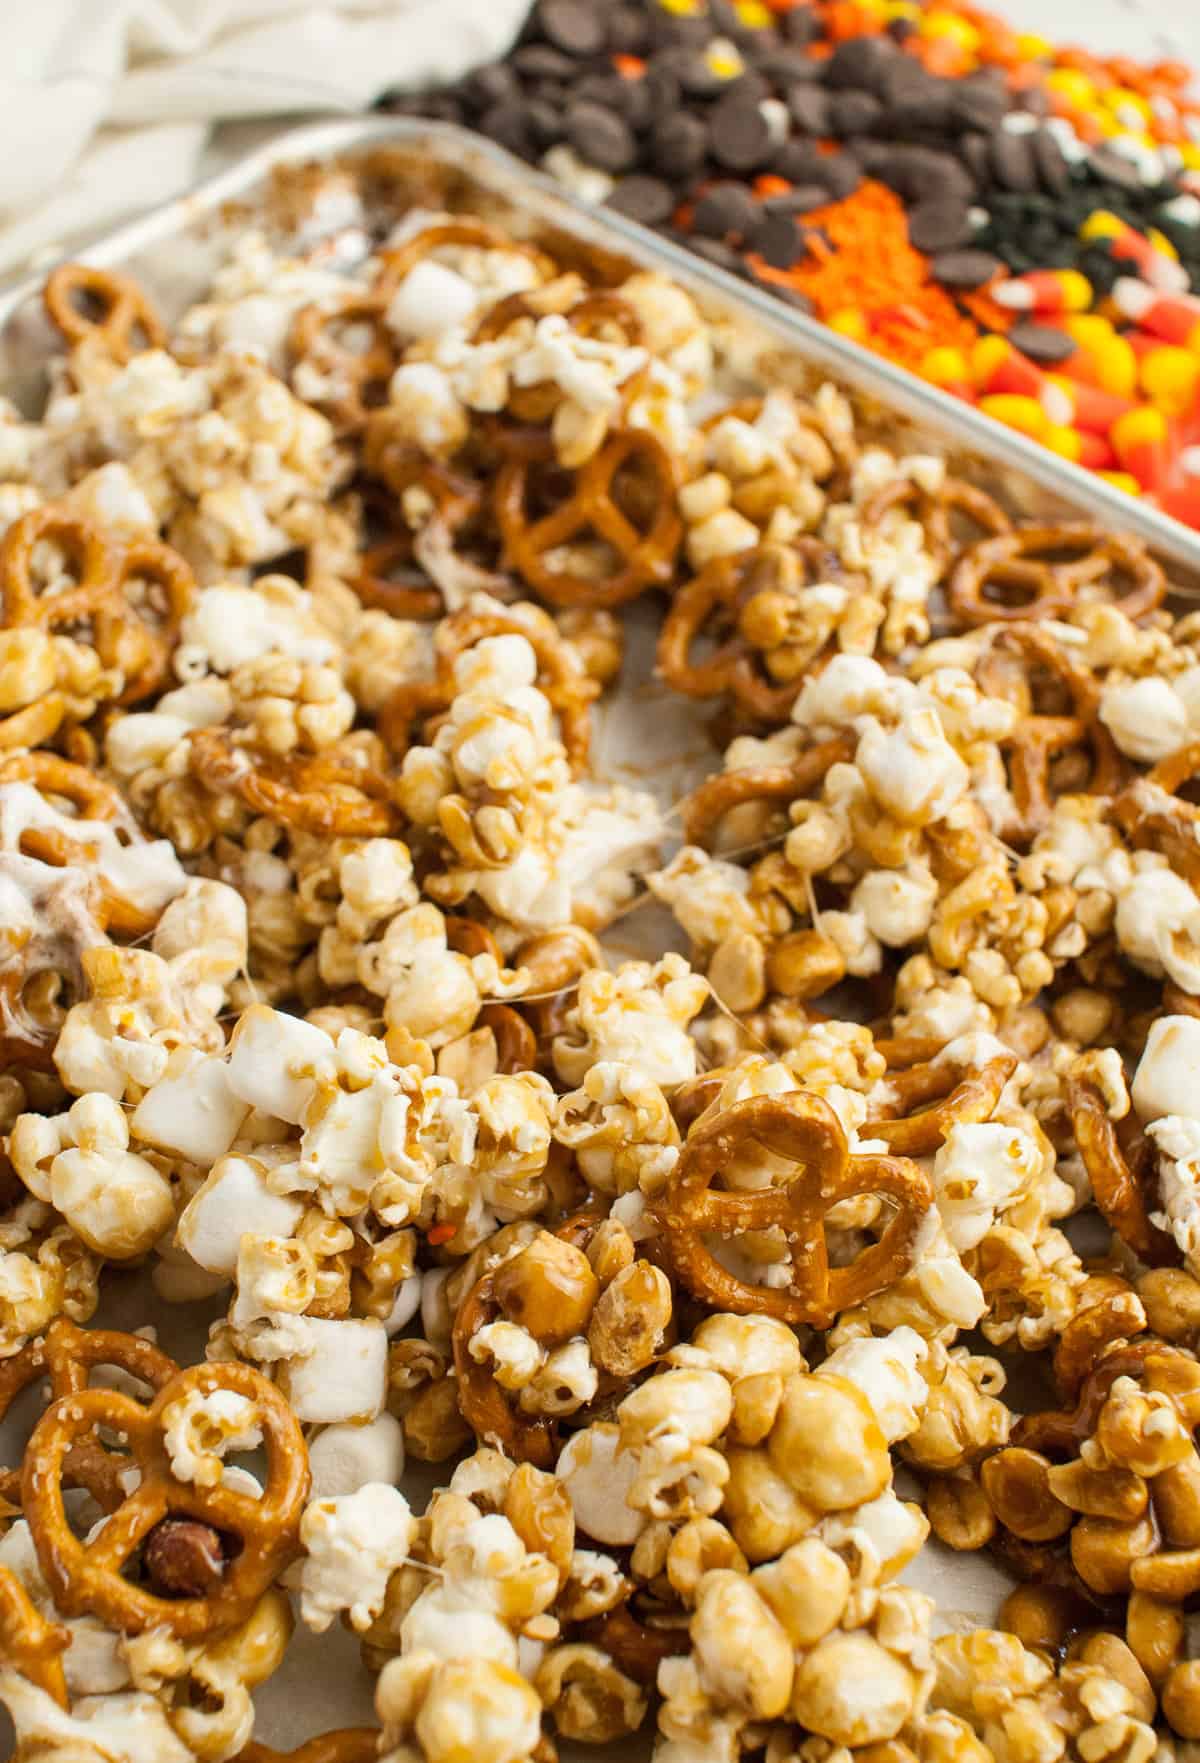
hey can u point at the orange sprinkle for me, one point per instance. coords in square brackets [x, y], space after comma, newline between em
[870, 267]
[440, 1233]
[770, 185]
[630, 67]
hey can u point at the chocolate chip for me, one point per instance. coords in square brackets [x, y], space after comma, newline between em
[1114, 168]
[545, 121]
[661, 87]
[840, 176]
[1012, 162]
[725, 210]
[183, 1558]
[628, 30]
[1041, 342]
[538, 61]
[508, 124]
[573, 26]
[801, 26]
[860, 64]
[716, 251]
[696, 75]
[977, 103]
[643, 198]
[493, 84]
[798, 162]
[938, 225]
[679, 144]
[788, 67]
[739, 135]
[600, 138]
[802, 200]
[779, 240]
[809, 107]
[854, 113]
[975, 152]
[1053, 172]
[965, 269]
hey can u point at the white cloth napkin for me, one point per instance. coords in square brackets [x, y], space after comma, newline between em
[106, 105]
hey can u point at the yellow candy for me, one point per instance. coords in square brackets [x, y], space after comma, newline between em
[1169, 378]
[1115, 365]
[1089, 329]
[1122, 480]
[849, 322]
[1119, 98]
[987, 354]
[1034, 48]
[1189, 152]
[902, 9]
[1015, 412]
[1063, 440]
[725, 62]
[949, 24]
[1137, 428]
[682, 8]
[945, 366]
[1161, 243]
[1071, 84]
[753, 14]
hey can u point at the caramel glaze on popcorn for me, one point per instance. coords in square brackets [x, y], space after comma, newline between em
[672, 1264]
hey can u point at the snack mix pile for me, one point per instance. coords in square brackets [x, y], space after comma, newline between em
[702, 1276]
[1015, 220]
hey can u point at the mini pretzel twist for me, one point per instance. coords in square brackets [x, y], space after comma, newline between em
[357, 378]
[803, 1130]
[125, 313]
[645, 539]
[934, 511]
[315, 793]
[708, 805]
[349, 1744]
[709, 608]
[1028, 562]
[89, 1577]
[1038, 740]
[67, 1356]
[29, 1645]
[137, 639]
[1122, 1178]
[930, 1098]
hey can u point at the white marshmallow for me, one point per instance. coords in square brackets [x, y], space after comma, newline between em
[271, 1061]
[345, 1458]
[343, 1376]
[234, 1201]
[191, 1110]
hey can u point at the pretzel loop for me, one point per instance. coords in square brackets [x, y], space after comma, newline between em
[803, 1130]
[88, 1577]
[644, 547]
[125, 310]
[1047, 586]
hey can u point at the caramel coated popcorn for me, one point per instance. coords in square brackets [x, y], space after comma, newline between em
[736, 1202]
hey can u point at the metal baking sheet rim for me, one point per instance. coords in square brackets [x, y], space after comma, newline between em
[956, 424]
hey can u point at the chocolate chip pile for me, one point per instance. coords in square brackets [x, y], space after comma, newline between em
[954, 154]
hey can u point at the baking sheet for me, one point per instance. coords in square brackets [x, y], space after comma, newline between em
[646, 736]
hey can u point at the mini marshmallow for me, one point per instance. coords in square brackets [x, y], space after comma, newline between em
[344, 1458]
[1168, 1074]
[343, 1375]
[234, 1201]
[271, 1061]
[431, 299]
[192, 1110]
